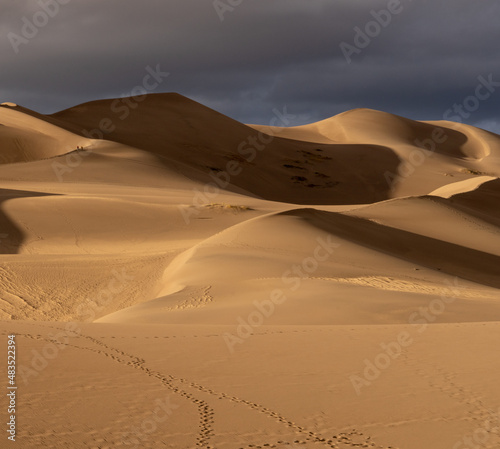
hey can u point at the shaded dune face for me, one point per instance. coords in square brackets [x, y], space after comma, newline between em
[457, 260]
[210, 147]
[483, 202]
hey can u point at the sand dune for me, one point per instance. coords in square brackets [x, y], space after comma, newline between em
[248, 274]
[208, 146]
[432, 154]
[259, 255]
[24, 138]
[375, 127]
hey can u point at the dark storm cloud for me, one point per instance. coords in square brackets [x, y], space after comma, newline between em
[265, 54]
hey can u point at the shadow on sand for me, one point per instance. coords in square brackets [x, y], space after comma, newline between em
[11, 235]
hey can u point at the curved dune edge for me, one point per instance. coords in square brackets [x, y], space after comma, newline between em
[199, 281]
[461, 186]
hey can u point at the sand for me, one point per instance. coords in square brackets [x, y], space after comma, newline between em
[175, 278]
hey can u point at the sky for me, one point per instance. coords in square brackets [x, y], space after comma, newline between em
[425, 60]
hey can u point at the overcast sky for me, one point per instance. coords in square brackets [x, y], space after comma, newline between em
[312, 56]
